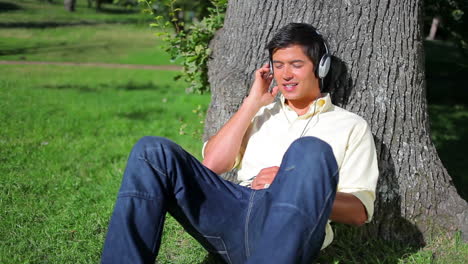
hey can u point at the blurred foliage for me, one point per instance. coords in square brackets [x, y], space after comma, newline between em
[187, 35]
[453, 15]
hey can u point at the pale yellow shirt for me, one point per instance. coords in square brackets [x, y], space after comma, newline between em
[276, 126]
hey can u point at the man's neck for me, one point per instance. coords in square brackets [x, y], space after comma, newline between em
[300, 107]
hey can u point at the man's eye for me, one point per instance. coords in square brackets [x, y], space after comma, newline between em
[297, 66]
[279, 66]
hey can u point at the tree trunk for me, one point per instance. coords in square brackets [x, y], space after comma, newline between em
[378, 73]
[69, 5]
[98, 5]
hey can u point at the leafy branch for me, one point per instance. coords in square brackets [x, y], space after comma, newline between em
[189, 43]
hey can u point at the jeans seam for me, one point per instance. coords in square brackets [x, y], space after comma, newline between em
[247, 219]
[224, 246]
[152, 166]
[158, 234]
[136, 194]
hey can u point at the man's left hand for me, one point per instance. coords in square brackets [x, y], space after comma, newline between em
[264, 178]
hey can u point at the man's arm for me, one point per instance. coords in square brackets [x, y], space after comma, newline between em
[221, 150]
[354, 202]
[348, 209]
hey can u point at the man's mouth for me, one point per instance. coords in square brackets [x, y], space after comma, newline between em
[289, 86]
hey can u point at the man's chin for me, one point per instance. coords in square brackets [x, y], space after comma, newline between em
[291, 96]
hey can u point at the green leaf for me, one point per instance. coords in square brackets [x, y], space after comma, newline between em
[457, 14]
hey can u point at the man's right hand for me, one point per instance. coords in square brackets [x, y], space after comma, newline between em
[222, 149]
[259, 91]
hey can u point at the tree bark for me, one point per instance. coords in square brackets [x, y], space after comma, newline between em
[378, 73]
[69, 5]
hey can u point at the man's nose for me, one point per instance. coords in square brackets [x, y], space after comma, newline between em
[287, 73]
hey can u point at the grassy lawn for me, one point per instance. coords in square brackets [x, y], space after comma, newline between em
[108, 43]
[66, 133]
[107, 38]
[40, 14]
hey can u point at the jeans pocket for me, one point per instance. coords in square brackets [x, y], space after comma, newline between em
[217, 246]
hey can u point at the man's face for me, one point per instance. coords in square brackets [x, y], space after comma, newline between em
[294, 74]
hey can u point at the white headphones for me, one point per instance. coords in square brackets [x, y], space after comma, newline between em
[325, 61]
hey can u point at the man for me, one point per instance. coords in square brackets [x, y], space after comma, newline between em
[302, 162]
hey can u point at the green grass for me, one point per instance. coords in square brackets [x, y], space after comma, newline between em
[40, 14]
[66, 134]
[109, 43]
[351, 246]
[117, 42]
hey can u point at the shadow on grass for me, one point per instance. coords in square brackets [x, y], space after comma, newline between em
[115, 11]
[62, 46]
[353, 245]
[142, 115]
[449, 126]
[52, 24]
[129, 86]
[5, 7]
[446, 74]
[132, 86]
[212, 259]
[81, 88]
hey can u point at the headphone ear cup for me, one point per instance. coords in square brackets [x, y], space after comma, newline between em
[324, 66]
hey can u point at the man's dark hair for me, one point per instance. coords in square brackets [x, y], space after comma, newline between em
[299, 34]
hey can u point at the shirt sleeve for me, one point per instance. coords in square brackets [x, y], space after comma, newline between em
[359, 171]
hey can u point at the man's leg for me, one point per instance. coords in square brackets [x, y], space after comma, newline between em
[287, 221]
[160, 176]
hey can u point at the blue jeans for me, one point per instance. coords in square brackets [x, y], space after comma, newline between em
[284, 223]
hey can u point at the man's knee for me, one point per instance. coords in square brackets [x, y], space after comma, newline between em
[151, 142]
[313, 157]
[311, 147]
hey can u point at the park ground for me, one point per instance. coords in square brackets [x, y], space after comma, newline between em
[66, 128]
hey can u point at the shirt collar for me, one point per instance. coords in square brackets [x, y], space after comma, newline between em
[319, 105]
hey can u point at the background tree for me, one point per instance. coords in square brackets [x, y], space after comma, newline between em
[378, 73]
[450, 16]
[69, 5]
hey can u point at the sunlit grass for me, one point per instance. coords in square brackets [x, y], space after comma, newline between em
[66, 134]
[38, 13]
[128, 44]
